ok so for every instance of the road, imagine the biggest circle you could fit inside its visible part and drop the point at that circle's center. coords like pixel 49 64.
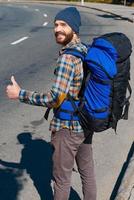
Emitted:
pixel 28 51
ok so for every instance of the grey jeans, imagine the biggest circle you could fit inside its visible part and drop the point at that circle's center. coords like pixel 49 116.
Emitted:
pixel 68 147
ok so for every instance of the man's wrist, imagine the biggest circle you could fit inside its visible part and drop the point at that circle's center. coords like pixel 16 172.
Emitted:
pixel 22 94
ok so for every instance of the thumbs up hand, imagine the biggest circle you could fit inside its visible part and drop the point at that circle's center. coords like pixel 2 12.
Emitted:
pixel 13 90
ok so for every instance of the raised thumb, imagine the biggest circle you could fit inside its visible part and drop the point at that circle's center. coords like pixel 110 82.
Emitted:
pixel 13 80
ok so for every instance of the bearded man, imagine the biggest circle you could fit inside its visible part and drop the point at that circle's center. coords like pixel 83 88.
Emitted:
pixel 67 137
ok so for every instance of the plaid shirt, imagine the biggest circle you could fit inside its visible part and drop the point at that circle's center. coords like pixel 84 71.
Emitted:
pixel 68 79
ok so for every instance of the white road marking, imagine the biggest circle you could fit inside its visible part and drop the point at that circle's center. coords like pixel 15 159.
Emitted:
pixel 37 10
pixel 20 40
pixel 45 15
pixel 45 24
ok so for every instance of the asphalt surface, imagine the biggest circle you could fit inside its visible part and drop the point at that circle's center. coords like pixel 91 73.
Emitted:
pixel 31 62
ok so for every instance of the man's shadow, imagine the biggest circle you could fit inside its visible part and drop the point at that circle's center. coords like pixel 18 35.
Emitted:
pixel 36 158
pixel 9 184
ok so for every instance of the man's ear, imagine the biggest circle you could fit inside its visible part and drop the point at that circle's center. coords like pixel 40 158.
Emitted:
pixel 75 36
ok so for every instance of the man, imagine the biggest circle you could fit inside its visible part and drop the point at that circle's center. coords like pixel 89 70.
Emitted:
pixel 67 136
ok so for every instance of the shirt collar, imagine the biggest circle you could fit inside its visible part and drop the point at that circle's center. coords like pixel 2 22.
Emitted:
pixel 69 45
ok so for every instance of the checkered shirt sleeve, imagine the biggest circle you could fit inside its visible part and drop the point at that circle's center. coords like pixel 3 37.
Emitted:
pixel 64 74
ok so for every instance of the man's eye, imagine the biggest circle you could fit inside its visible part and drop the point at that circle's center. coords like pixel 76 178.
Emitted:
pixel 64 25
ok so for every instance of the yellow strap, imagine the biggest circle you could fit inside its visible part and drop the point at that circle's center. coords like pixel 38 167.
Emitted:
pixel 60 99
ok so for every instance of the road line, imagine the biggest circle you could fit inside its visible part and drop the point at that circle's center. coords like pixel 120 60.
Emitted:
pixel 45 15
pixel 45 24
pixel 18 41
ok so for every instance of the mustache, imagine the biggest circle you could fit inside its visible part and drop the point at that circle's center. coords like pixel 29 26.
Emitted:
pixel 61 33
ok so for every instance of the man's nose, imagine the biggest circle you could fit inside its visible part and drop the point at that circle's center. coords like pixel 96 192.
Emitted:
pixel 58 28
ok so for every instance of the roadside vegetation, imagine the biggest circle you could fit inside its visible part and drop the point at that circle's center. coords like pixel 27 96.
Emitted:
pixel 121 2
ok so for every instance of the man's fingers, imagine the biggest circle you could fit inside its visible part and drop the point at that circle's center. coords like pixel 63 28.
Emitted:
pixel 8 87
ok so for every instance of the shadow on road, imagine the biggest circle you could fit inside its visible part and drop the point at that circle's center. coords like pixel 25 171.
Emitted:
pixel 122 173
pixel 36 158
pixel 9 184
pixel 114 16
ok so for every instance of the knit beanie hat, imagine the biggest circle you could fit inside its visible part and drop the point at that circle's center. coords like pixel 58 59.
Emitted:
pixel 71 16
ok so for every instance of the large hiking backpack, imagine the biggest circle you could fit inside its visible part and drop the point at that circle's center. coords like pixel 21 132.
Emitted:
pixel 105 94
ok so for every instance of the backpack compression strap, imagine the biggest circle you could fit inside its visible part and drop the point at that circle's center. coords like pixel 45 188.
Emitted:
pixel 127 103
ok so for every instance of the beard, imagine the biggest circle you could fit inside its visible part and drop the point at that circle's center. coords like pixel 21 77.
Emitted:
pixel 63 38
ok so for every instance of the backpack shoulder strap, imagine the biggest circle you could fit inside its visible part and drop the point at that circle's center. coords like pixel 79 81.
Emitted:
pixel 78 54
pixel 75 52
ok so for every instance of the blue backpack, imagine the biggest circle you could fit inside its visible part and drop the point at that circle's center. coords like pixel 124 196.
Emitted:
pixel 103 97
